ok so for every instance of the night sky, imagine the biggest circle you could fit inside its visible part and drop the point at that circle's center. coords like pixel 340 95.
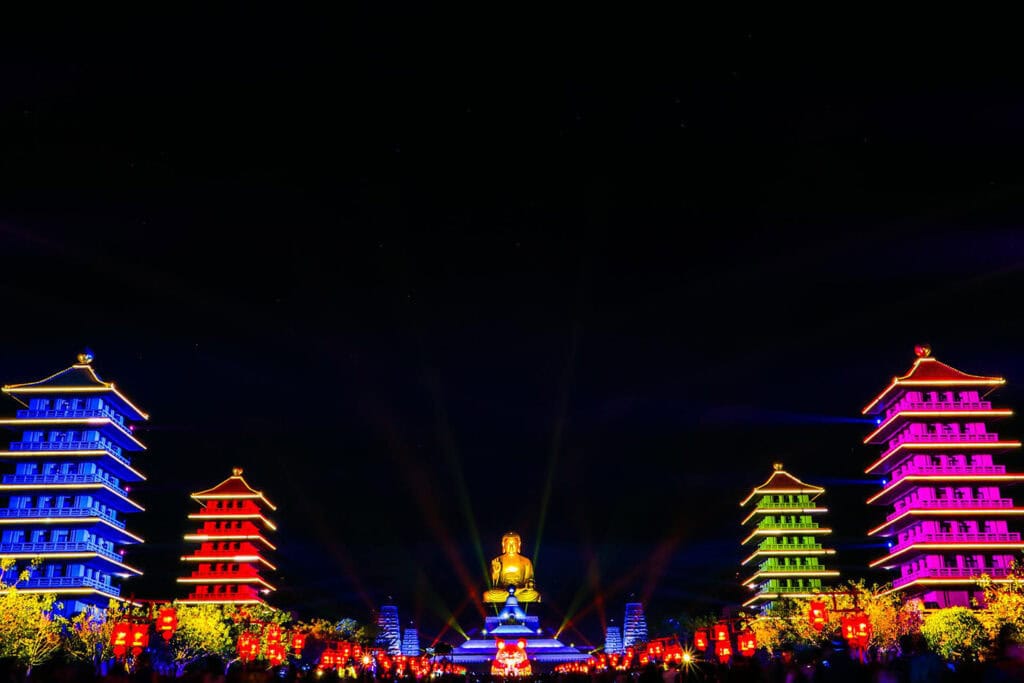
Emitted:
pixel 430 276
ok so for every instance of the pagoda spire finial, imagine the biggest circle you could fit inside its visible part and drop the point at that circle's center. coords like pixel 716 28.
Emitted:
pixel 236 472
pixel 922 350
pixel 777 466
pixel 84 358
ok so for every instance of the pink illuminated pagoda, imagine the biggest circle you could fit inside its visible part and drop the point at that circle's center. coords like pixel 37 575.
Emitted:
pixel 230 559
pixel 950 520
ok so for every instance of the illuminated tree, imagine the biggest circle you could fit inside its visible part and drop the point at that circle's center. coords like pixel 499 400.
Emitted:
pixel 1004 613
pixel 88 633
pixel 955 633
pixel 30 633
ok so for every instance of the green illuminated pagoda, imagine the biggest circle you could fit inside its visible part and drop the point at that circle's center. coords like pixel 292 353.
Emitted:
pixel 786 540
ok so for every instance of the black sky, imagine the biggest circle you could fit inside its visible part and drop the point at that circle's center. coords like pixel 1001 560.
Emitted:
pixel 372 254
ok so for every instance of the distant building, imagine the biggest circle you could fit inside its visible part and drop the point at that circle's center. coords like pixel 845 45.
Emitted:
pixel 230 560
pixel 949 519
pixel 634 626
pixel 786 540
pixel 68 493
pixel 390 636
pixel 411 642
pixel 613 640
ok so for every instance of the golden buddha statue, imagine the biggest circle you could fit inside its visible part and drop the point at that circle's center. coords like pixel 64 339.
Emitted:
pixel 511 570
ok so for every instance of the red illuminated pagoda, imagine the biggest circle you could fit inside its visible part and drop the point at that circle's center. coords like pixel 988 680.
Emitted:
pixel 231 554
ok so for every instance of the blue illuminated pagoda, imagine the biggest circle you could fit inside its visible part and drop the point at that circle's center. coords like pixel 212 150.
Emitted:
pixel 66 499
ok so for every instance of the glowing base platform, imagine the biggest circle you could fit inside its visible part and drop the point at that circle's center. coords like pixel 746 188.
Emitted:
pixel 511 625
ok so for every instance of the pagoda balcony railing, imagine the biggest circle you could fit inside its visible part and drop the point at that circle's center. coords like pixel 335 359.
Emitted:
pixel 768 547
pixel 69 582
pixel 950 504
pixel 770 567
pixel 951 573
pixel 76 547
pixel 767 587
pixel 19 513
pixel 938 405
pixel 951 437
pixel 786 506
pixel 788 525
pixel 70 446
pixel 64 479
pixel 69 414
pixel 938 470
pixel 1012 537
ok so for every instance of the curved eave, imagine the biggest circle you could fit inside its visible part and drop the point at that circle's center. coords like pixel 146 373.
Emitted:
pixel 232 517
pixel 890 491
pixel 241 559
pixel 110 530
pixel 943 512
pixel 813 491
pixel 782 511
pixel 881 434
pixel 770 596
pixel 993 446
pixel 890 561
pixel 209 581
pixel 71 591
pixel 207 538
pixel 784 532
pixel 956 378
pixel 128 569
pixel 115 464
pixel 112 495
pixel 782 574
pixel 787 553
pixel 942 582
pixel 245 601
pixel 100 387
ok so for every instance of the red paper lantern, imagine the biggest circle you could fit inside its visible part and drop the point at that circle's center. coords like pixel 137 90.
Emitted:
pixel 273 634
pixel 119 637
pixel 248 647
pixel 298 642
pixel 861 630
pixel 748 643
pixel 723 650
pixel 275 653
pixel 166 622
pixel 700 640
pixel 849 625
pixel 817 615
pixel 139 638
pixel 720 633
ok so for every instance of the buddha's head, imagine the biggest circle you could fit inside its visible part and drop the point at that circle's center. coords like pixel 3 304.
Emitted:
pixel 511 543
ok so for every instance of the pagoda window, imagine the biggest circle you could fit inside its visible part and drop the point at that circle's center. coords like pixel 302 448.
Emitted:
pixel 49 468
pixel 60 536
pixel 32 437
pixel 39 404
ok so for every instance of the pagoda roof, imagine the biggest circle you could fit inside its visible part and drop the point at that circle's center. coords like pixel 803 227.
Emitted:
pixel 79 378
pixel 781 482
pixel 926 371
pixel 234 487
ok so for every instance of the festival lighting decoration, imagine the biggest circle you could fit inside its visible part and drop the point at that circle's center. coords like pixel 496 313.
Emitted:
pixel 747 643
pixel 817 615
pixel 228 570
pixel 298 642
pixel 120 634
pixel 786 531
pixel 275 653
pixel 720 632
pixel 139 638
pixel 74 434
pixel 949 521
pixel 723 651
pixel 700 640
pixel 166 622
pixel 248 647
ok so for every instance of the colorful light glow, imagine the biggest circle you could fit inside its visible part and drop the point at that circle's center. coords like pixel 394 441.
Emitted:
pixel 229 537
pixel 60 453
pixel 966 478
pixel 959 512
pixel 232 516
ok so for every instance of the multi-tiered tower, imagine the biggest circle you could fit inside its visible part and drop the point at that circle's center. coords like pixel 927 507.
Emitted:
pixel 787 540
pixel 67 497
pixel 389 630
pixel 634 626
pixel 948 523
pixel 411 642
pixel 229 561
pixel 613 640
